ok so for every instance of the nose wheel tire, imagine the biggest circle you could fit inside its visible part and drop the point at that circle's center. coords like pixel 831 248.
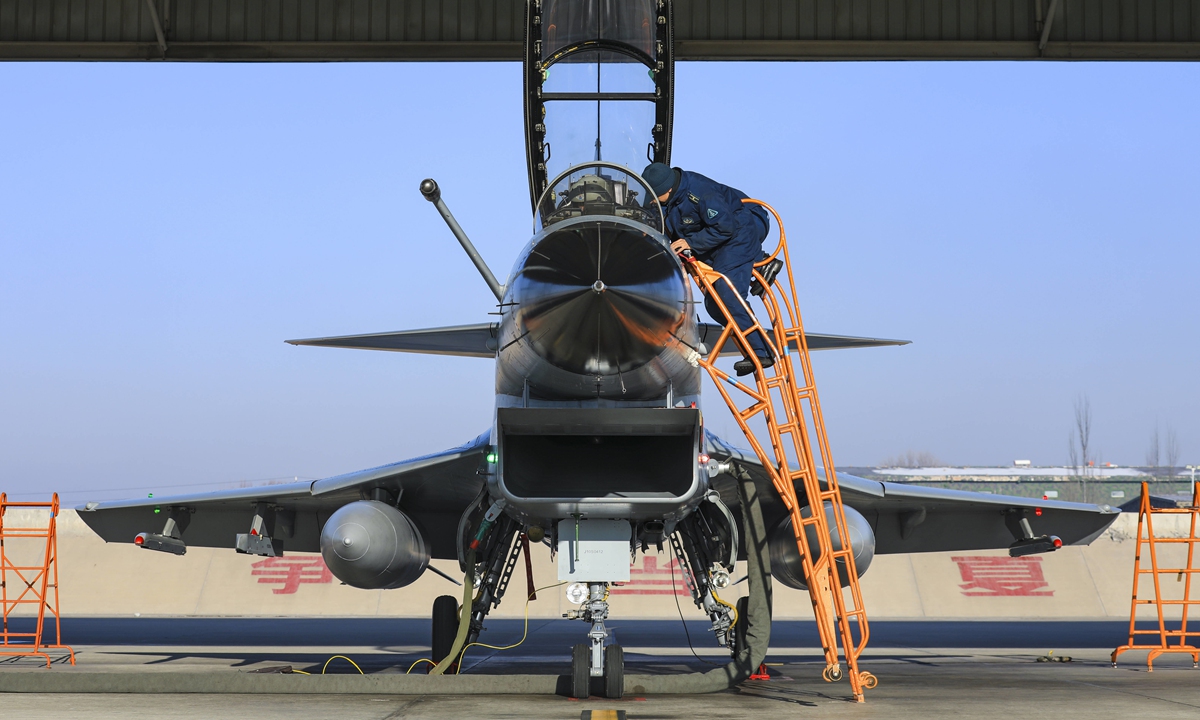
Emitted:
pixel 614 672
pixel 581 678
pixel 445 626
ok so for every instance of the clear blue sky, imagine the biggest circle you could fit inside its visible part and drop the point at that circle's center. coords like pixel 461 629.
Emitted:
pixel 1032 228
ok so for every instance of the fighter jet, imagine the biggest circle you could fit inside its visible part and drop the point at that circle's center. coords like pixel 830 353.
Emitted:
pixel 597 449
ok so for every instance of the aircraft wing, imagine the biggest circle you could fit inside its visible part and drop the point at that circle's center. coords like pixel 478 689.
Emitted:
pixel 461 340
pixel 433 490
pixel 481 340
pixel 709 332
pixel 909 518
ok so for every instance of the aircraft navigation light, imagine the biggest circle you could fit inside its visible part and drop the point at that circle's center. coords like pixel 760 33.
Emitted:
pixel 491 458
pixel 577 593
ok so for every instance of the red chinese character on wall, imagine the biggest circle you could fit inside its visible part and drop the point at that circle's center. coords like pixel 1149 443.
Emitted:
pixel 290 572
pixel 1002 576
pixel 650 579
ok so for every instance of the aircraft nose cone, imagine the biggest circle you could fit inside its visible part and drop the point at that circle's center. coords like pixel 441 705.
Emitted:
pixel 599 298
pixel 351 541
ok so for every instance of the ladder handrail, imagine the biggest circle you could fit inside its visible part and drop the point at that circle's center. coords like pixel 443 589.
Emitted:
pixel 783 392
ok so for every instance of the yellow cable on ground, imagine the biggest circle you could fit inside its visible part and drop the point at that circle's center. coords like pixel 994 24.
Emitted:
pixel 410 667
pixel 301 672
pixel 335 657
pixel 524 634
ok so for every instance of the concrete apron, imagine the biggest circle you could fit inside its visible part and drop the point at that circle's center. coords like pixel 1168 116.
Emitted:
pixel 61 680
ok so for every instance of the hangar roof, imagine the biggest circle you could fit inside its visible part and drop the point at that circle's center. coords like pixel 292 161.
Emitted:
pixel 324 30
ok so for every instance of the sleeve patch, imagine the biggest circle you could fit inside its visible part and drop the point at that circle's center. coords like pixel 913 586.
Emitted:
pixel 711 213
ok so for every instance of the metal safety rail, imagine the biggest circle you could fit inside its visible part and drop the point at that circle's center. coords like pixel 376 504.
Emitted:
pixel 785 397
pixel 30 584
pixel 1182 575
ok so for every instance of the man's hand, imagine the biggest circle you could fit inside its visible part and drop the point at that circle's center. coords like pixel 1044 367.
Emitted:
pixel 680 245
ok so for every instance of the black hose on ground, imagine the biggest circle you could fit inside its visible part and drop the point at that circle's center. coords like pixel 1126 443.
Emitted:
pixel 758 617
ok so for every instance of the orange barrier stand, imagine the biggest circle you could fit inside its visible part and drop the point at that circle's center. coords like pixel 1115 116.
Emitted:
pixel 1181 575
pixel 786 399
pixel 30 584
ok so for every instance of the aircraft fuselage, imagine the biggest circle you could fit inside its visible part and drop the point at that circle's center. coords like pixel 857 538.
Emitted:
pixel 597 385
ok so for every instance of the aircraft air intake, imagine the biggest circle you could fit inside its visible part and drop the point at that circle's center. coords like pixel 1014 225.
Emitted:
pixel 635 462
pixel 371 545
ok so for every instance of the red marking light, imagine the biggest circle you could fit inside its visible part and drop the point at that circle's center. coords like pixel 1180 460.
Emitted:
pixel 1057 542
pixel 139 540
pixel 1038 511
pixel 253 531
pixel 703 458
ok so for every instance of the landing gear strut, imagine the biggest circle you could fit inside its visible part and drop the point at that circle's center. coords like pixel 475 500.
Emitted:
pixel 594 660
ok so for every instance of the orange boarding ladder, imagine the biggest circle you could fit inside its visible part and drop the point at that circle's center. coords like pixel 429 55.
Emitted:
pixel 1182 575
pixel 30 584
pixel 786 398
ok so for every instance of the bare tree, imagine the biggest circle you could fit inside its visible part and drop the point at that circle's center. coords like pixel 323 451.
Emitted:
pixel 1153 454
pixel 1172 450
pixel 1083 439
pixel 911 459
pixel 1073 453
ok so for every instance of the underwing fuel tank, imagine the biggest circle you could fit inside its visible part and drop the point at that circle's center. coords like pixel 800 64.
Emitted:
pixel 786 566
pixel 371 545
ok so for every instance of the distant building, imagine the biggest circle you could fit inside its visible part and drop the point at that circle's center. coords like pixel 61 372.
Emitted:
pixel 1021 463
pixel 1018 472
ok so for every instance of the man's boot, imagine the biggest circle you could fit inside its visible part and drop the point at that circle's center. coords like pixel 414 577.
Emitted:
pixel 768 272
pixel 746 366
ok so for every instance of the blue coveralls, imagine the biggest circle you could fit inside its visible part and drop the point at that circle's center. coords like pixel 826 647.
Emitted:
pixel 723 233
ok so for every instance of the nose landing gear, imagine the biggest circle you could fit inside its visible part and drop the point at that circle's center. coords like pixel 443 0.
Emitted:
pixel 594 660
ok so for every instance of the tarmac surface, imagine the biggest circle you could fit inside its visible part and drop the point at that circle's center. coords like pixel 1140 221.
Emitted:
pixel 927 669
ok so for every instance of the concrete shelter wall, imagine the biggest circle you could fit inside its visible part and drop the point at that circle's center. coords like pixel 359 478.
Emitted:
pixel 99 579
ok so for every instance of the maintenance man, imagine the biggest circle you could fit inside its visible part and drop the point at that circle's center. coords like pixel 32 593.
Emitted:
pixel 711 220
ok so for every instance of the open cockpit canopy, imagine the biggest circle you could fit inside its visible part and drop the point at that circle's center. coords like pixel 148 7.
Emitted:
pixel 598 79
